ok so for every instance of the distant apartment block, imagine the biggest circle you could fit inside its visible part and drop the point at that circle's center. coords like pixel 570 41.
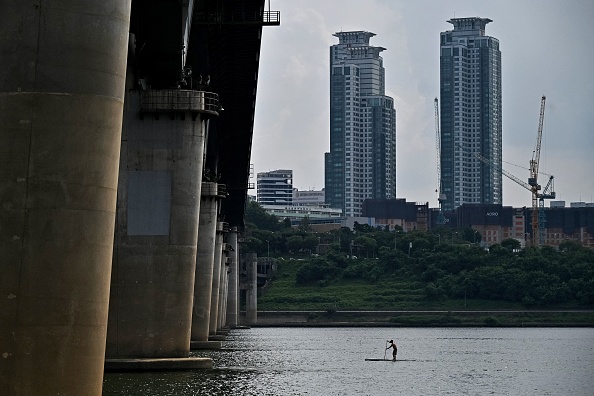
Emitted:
pixel 575 223
pixel 493 222
pixel 496 223
pixel 361 163
pixel 470 110
pixel 275 187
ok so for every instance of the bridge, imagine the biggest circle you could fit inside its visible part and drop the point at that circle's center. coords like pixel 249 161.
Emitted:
pixel 125 142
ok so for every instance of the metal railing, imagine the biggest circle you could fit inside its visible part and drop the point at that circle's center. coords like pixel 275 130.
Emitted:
pixel 266 18
pixel 222 226
pixel 174 100
pixel 271 18
pixel 222 190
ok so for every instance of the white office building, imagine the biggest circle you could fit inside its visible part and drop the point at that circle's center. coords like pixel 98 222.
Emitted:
pixel 275 187
pixel 309 197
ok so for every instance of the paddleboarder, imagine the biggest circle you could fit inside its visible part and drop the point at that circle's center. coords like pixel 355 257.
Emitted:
pixel 395 351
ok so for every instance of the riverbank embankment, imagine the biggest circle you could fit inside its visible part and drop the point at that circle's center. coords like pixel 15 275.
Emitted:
pixel 428 318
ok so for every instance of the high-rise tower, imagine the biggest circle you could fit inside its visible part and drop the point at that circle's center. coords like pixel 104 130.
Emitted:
pixel 470 90
pixel 361 163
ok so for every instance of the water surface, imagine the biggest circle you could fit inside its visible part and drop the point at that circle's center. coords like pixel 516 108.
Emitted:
pixel 435 361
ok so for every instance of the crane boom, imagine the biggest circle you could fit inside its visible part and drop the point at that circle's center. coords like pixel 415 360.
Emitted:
pixel 506 173
pixel 534 162
pixel 533 179
pixel 549 191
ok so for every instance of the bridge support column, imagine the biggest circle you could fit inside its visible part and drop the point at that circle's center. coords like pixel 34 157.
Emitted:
pixel 205 268
pixel 61 97
pixel 233 293
pixel 216 282
pixel 156 228
pixel 251 295
pixel 224 291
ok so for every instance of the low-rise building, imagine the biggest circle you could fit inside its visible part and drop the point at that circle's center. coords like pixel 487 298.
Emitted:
pixel 275 187
pixel 309 197
pixel 314 213
pixel 493 222
pixel 398 212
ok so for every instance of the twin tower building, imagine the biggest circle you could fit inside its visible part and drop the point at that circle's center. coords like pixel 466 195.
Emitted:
pixel 361 163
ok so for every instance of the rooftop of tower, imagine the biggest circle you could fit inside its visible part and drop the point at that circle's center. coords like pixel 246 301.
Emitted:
pixel 354 37
pixel 470 23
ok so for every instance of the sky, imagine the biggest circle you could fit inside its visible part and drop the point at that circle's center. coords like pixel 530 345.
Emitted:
pixel 547 48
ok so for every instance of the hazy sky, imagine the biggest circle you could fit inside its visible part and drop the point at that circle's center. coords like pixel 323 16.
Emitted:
pixel 547 47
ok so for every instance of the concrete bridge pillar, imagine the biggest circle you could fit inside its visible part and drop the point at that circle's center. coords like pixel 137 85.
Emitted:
pixel 251 295
pixel 152 284
pixel 224 291
pixel 205 262
pixel 62 79
pixel 233 292
pixel 216 281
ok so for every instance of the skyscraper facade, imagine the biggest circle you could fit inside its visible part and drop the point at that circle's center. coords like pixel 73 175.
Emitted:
pixel 470 106
pixel 361 163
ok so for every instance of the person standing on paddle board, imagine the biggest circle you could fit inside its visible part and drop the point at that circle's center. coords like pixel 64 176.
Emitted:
pixel 395 351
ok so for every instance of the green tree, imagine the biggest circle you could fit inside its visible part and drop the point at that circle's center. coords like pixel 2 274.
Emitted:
pixel 511 244
pixel 294 243
pixel 287 223
pixel 255 214
pixel 367 244
pixel 570 247
pixel 310 243
pixel 319 269
pixel 304 224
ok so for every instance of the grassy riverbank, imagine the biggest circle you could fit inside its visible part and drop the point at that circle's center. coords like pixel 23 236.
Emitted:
pixel 396 301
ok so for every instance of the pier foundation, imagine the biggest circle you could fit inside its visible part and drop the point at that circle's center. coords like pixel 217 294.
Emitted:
pixel 62 79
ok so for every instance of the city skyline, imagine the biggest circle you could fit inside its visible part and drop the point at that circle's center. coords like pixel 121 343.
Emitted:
pixel 545 51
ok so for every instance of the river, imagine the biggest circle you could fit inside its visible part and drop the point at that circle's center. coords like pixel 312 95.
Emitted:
pixel 432 361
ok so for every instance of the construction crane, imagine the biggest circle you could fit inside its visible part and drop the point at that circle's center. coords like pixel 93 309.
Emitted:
pixel 533 179
pixel 538 214
pixel 547 193
pixel 441 196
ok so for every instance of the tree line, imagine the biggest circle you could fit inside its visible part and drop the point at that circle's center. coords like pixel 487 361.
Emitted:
pixel 450 263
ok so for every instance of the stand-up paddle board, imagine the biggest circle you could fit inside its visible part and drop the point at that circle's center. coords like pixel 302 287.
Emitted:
pixel 389 360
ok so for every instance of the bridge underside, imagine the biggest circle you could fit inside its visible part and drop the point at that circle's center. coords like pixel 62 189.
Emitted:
pixel 187 93
pixel 222 51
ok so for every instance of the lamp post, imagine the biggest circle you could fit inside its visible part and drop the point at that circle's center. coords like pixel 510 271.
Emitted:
pixel 268 243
